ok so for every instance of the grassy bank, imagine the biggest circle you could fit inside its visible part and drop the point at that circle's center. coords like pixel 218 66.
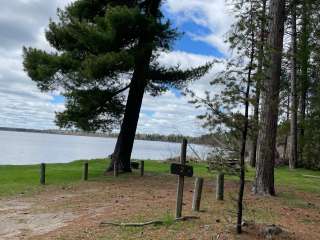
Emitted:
pixel 25 179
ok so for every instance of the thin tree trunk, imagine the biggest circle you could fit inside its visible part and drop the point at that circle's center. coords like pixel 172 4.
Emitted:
pixel 284 154
pixel 264 181
pixel 254 142
pixel 244 137
pixel 124 145
pixel 305 54
pixel 293 157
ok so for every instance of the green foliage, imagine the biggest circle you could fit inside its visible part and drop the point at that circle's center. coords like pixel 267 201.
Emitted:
pixel 234 86
pixel 98 45
pixel 312 133
pixel 309 90
pixel 85 114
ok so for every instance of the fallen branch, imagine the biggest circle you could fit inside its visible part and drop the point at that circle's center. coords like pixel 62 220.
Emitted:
pixel 311 176
pixel 155 222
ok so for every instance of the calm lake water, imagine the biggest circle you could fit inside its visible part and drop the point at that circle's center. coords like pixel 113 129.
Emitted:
pixel 19 148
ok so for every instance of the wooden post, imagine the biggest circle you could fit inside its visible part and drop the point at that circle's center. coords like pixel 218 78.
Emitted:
pixel 141 168
pixel 197 194
pixel 181 180
pixel 220 186
pixel 85 171
pixel 43 173
pixel 115 169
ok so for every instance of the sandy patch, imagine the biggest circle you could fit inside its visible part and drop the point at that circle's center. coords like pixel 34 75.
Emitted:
pixel 18 220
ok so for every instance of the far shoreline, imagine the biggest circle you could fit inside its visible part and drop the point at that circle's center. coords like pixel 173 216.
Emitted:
pixel 145 137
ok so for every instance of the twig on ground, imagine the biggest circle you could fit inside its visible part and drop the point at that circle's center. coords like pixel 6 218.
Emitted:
pixel 154 222
pixel 310 176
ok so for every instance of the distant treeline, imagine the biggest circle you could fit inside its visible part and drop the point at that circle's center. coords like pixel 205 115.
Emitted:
pixel 207 139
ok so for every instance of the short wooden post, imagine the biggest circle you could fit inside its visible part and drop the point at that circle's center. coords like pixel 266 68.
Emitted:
pixel 197 194
pixel 141 168
pixel 43 173
pixel 220 186
pixel 85 171
pixel 115 169
pixel 181 180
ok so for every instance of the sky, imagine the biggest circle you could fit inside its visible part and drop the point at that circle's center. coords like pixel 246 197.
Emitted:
pixel 23 22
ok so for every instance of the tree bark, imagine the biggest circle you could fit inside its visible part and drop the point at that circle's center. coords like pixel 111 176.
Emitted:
pixel 264 181
pixel 124 144
pixel 305 54
pixel 286 138
pixel 254 142
pixel 293 157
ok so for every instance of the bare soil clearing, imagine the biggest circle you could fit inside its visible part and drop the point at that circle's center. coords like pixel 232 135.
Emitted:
pixel 75 211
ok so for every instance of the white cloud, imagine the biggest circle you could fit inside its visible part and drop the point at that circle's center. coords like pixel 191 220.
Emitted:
pixel 214 15
pixel 22 23
pixel 174 114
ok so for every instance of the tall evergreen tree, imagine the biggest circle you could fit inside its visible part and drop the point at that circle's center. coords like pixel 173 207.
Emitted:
pixel 228 110
pixel 103 48
pixel 264 181
pixel 245 127
pixel 304 59
pixel 258 78
pixel 309 141
pixel 293 156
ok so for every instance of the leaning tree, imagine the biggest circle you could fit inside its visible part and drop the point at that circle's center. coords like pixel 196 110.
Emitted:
pixel 105 50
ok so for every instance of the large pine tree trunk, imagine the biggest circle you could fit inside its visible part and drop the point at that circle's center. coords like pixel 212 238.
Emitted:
pixel 293 156
pixel 254 142
pixel 124 145
pixel 123 149
pixel 264 182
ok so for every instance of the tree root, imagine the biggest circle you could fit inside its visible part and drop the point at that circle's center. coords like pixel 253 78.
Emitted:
pixel 154 222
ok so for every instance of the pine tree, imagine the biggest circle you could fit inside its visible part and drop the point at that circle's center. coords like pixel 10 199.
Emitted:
pixel 102 49
pixel 245 127
pixel 258 78
pixel 228 111
pixel 293 156
pixel 264 181
pixel 311 137
pixel 304 59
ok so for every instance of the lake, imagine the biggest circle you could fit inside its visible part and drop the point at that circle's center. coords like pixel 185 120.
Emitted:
pixel 20 148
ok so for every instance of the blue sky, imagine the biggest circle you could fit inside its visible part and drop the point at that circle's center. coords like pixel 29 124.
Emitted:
pixel 187 43
pixel 22 23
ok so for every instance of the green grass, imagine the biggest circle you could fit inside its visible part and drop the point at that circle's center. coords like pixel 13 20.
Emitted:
pixel 296 178
pixel 25 179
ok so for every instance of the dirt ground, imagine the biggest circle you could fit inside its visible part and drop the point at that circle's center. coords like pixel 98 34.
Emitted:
pixel 76 211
